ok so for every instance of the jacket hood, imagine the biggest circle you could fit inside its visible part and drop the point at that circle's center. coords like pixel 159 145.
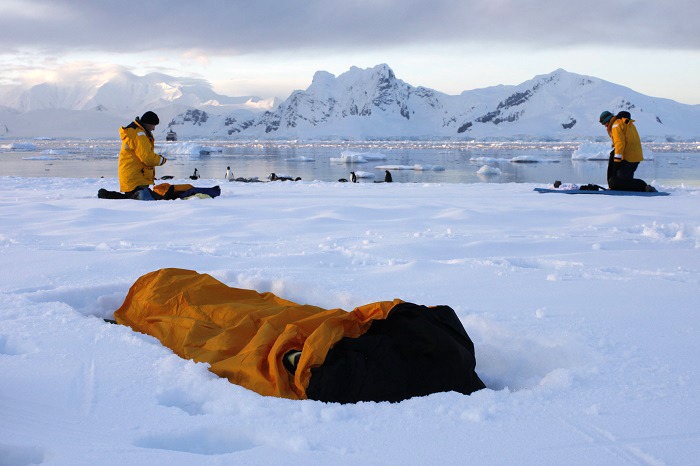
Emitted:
pixel 133 126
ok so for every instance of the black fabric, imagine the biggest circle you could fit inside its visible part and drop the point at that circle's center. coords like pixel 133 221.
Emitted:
pixel 170 195
pixel 621 176
pixel 622 184
pixel 611 166
pixel 105 194
pixel 211 192
pixel 625 169
pixel 415 351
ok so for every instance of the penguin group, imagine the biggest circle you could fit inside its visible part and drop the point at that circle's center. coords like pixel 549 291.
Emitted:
pixel 353 178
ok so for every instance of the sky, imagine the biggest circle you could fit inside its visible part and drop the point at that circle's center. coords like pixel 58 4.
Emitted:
pixel 270 48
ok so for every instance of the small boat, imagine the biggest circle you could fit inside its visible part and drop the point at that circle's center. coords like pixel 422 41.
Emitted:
pixel 171 136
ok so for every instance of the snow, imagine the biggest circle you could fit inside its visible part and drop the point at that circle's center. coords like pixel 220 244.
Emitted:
pixel 583 312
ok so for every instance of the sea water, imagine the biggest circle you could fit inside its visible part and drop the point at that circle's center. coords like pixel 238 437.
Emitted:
pixel 408 161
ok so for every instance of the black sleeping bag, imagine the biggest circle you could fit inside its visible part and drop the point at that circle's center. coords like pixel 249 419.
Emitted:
pixel 415 351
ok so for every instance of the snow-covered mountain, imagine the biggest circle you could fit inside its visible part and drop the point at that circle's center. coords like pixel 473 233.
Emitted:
pixel 367 103
pixel 125 93
pixel 50 109
pixel 373 103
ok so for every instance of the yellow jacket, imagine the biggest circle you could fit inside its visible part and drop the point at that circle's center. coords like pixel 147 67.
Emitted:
pixel 137 158
pixel 625 140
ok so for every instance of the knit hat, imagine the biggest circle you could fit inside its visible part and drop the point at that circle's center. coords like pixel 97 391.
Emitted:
pixel 605 117
pixel 150 118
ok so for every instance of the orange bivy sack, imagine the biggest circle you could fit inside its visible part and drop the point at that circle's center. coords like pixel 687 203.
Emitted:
pixel 245 336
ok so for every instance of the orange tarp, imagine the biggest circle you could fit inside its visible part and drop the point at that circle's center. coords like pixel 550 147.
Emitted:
pixel 241 333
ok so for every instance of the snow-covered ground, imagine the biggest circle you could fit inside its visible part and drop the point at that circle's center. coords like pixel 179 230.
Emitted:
pixel 583 310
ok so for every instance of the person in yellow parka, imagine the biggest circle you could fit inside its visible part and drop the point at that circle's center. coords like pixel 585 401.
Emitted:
pixel 137 159
pixel 626 154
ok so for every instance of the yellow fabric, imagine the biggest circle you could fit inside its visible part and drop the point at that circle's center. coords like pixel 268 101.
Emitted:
pixel 241 333
pixel 162 188
pixel 137 158
pixel 625 140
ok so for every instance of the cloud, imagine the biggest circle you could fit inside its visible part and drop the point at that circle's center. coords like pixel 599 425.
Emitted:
pixel 242 26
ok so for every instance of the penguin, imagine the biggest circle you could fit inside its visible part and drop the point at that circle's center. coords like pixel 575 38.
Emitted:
pixel 195 175
pixel 387 177
pixel 353 177
pixel 229 174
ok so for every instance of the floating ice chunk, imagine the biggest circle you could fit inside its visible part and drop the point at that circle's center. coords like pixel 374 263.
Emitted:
pixel 54 152
pixel 532 159
pixel 42 157
pixel 19 146
pixel 189 149
pixel 348 156
pixel 485 160
pixel 487 170
pixel 361 174
pixel 592 151
pixel 416 167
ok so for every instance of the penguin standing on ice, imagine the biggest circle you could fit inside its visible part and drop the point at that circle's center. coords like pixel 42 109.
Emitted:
pixel 387 177
pixel 353 177
pixel 195 175
pixel 229 174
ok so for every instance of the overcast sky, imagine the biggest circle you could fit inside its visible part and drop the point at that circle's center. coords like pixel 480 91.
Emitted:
pixel 269 48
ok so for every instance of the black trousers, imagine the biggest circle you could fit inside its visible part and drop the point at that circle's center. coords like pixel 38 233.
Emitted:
pixel 621 176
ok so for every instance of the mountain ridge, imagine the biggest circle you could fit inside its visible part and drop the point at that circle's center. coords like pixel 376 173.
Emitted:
pixel 370 103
